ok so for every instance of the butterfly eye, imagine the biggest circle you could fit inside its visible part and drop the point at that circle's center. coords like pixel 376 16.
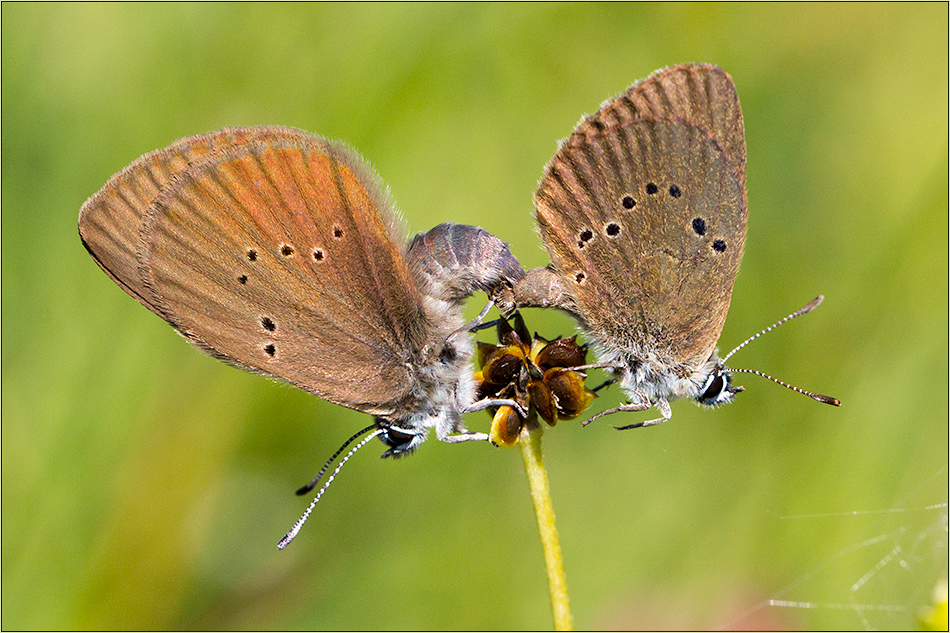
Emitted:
pixel 401 441
pixel 714 389
pixel 717 389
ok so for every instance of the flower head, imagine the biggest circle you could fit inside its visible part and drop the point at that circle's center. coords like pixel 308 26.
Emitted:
pixel 535 373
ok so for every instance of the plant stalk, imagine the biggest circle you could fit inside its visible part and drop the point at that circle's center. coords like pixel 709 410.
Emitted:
pixel 530 442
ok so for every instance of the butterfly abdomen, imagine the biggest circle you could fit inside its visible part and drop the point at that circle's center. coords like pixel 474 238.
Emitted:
pixel 452 261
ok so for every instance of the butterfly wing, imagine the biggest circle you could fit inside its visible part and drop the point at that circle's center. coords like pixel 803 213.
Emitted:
pixel 109 220
pixel 643 212
pixel 274 250
pixel 701 95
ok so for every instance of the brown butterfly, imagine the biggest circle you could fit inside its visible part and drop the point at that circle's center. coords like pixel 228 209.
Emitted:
pixel 282 253
pixel 643 212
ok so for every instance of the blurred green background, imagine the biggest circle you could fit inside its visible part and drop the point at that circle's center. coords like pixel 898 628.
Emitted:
pixel 146 485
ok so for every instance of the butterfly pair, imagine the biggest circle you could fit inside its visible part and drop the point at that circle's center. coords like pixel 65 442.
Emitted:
pixel 281 253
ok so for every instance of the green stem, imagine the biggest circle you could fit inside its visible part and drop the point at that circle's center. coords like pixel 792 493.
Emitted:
pixel 530 443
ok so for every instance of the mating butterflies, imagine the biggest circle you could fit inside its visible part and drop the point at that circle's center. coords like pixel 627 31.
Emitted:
pixel 281 253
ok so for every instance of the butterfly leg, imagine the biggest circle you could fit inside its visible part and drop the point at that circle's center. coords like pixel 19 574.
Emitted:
pixel 485 325
pixel 641 403
pixel 466 436
pixel 481 405
pixel 472 325
pixel 630 406
pixel 665 410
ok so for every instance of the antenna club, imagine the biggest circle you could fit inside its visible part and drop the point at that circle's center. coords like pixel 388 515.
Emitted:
pixel 816 396
pixel 826 399
pixel 814 304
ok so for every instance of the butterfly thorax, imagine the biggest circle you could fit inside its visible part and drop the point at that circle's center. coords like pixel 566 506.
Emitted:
pixel 447 264
pixel 647 374
pixel 440 378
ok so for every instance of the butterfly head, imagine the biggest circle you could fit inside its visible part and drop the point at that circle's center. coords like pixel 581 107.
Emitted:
pixel 654 380
pixel 717 388
pixel 401 440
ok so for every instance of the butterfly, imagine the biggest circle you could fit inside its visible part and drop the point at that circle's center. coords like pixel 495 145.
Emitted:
pixel 643 212
pixel 282 253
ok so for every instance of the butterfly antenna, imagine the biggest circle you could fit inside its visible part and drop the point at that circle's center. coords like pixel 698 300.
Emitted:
pixel 814 303
pixel 313 482
pixel 284 542
pixel 816 396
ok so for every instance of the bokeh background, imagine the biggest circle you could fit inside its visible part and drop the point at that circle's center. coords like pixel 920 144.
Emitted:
pixel 146 485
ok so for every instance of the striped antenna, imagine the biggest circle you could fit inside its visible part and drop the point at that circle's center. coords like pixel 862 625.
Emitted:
pixel 816 396
pixel 284 542
pixel 814 303
pixel 313 482
pixel 808 308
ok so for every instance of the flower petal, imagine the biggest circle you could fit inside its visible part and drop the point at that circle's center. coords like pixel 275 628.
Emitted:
pixel 563 352
pixel 505 427
pixel 573 397
pixel 543 400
